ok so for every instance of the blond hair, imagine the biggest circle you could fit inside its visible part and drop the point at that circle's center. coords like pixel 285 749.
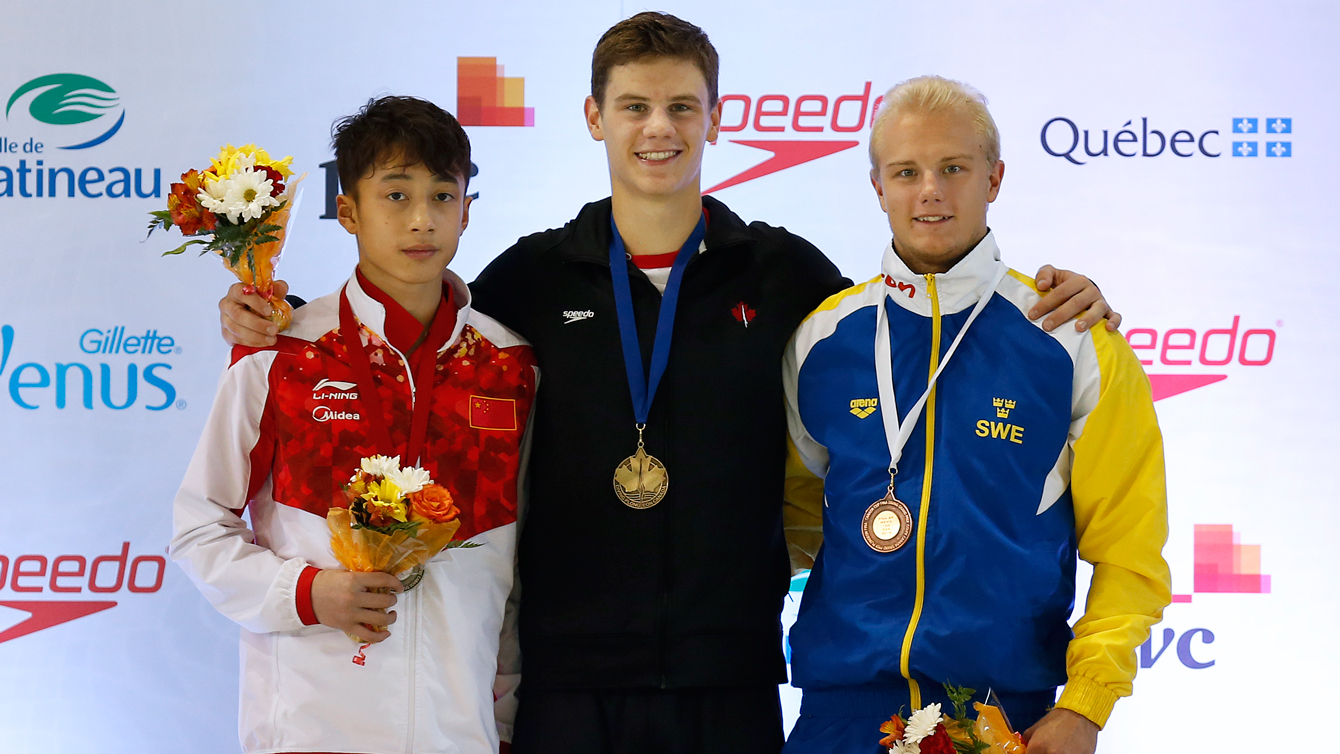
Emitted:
pixel 933 94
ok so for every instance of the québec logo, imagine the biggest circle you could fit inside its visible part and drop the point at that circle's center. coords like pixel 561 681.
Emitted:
pixel 70 574
pixel 1182 353
pixel 67 111
pixel 1064 138
pixel 32 385
pixel 840 116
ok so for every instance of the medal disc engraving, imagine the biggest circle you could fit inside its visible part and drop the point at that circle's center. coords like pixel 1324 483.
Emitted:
pixel 887 524
pixel 641 480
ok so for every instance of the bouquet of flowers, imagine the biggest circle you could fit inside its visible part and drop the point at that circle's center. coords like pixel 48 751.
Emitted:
pixel 238 208
pixel 928 731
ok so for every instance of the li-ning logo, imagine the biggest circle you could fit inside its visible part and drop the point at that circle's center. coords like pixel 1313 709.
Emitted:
pixel 1003 407
pixel 575 316
pixel 863 407
pixel 339 391
pixel 327 414
pixel 70 99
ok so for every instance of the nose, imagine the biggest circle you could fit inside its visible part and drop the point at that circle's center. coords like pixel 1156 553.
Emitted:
pixel 930 189
pixel 421 216
pixel 658 123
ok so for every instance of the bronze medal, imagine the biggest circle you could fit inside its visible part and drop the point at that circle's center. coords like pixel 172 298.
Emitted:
pixel 887 524
pixel 641 481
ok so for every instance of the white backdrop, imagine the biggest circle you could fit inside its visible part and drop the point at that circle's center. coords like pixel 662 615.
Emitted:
pixel 1217 261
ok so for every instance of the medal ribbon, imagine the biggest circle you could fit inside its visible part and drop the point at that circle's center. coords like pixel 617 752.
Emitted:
pixel 372 400
pixel 895 434
pixel 642 389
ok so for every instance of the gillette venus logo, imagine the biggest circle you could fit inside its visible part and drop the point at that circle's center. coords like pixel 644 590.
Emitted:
pixel 38 575
pixel 1064 138
pixel 32 385
pixel 809 116
pixel 66 111
pixel 1170 357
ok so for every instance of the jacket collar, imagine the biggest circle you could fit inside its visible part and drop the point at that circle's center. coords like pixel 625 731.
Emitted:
pixel 590 231
pixel 957 289
pixel 372 314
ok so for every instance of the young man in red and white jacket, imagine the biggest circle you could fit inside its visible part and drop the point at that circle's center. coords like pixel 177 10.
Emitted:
pixel 291 422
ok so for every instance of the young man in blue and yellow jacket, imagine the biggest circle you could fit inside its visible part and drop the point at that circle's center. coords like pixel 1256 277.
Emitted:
pixel 966 458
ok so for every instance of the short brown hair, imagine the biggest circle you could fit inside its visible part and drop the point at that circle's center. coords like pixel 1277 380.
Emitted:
pixel 406 128
pixel 652 35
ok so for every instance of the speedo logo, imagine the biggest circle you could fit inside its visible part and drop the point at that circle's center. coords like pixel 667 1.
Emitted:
pixel 575 316
pixel 335 391
pixel 863 407
pixel 810 116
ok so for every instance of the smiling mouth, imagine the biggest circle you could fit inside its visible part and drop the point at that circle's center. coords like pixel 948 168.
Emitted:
pixel 420 251
pixel 657 156
pixel 933 218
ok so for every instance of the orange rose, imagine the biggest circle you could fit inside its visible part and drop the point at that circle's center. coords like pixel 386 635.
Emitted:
pixel 433 504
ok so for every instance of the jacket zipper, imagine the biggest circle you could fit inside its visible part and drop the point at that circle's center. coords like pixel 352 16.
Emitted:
pixel 913 687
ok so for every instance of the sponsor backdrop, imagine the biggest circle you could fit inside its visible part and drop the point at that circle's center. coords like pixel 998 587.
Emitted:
pixel 1179 153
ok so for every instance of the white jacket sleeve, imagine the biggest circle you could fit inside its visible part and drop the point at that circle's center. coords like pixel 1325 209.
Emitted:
pixel 243 580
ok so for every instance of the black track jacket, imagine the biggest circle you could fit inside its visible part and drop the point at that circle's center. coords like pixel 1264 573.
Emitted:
pixel 686 593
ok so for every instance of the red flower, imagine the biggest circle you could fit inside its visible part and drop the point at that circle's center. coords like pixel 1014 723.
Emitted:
pixel 276 179
pixel 187 214
pixel 937 742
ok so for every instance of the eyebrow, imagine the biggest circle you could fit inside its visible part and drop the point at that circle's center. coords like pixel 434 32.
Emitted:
pixel 952 158
pixel 640 98
pixel 406 177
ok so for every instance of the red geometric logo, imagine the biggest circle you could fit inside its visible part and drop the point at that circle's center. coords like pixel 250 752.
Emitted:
pixel 485 97
pixel 1223 565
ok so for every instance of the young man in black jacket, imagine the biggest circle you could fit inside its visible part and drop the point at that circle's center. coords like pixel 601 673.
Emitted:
pixel 652 555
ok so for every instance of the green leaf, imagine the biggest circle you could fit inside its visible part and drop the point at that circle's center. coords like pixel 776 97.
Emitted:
pixel 460 544
pixel 182 248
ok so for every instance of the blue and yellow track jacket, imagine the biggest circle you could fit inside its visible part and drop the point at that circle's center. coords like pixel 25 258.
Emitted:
pixel 1033 447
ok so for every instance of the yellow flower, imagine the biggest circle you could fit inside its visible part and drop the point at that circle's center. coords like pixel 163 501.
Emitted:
pixel 231 159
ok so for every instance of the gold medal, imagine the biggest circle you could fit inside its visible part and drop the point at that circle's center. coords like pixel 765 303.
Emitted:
pixel 641 480
pixel 887 524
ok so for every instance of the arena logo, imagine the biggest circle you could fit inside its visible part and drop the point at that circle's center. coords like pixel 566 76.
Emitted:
pixel 1064 138
pixel 1219 347
pixel 32 385
pixel 69 574
pixel 806 114
pixel 74 108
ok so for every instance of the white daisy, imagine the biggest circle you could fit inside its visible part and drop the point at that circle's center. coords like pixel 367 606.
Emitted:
pixel 249 194
pixel 409 479
pixel 381 466
pixel 903 747
pixel 922 723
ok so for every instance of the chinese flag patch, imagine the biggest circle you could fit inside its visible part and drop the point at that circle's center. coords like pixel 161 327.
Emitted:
pixel 492 413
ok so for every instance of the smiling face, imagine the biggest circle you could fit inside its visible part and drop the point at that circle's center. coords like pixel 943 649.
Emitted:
pixel 934 182
pixel 655 122
pixel 408 222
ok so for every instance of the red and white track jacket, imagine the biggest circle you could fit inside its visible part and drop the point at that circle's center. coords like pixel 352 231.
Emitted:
pixel 286 432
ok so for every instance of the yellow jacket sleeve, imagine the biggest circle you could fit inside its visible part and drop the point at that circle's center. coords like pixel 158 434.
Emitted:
pixel 1121 519
pixel 802 511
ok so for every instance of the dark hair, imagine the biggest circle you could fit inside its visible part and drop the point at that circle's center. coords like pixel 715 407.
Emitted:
pixel 408 129
pixel 652 35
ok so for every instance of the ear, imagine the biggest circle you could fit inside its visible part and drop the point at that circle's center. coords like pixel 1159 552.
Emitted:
pixel 346 212
pixel 997 175
pixel 465 213
pixel 879 189
pixel 715 128
pixel 593 119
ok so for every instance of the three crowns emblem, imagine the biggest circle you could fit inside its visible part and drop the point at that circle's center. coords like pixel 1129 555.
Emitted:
pixel 1003 407
pixel 863 407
